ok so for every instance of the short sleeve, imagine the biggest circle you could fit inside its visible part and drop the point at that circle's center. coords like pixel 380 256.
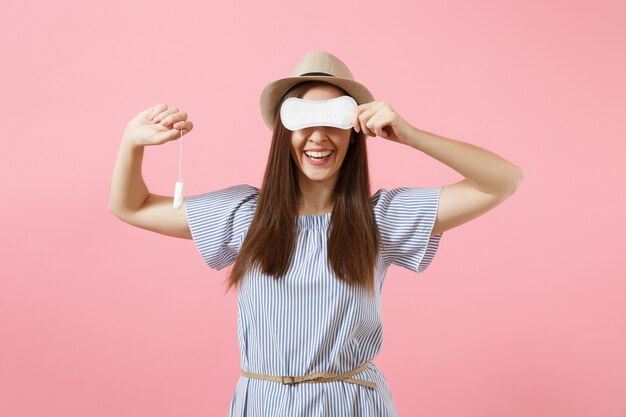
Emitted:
pixel 405 217
pixel 218 221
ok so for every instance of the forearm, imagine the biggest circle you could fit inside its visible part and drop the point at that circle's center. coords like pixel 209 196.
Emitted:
pixel 128 190
pixel 483 169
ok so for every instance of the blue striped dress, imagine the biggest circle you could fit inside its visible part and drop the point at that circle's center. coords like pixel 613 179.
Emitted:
pixel 310 321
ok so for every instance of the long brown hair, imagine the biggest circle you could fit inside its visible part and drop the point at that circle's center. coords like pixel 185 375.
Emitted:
pixel 353 236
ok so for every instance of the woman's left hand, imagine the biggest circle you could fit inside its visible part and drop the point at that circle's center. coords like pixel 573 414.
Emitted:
pixel 378 118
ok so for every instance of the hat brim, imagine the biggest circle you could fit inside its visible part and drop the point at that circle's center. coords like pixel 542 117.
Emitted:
pixel 274 91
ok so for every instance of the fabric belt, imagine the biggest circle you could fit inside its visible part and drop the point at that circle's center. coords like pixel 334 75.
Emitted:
pixel 317 377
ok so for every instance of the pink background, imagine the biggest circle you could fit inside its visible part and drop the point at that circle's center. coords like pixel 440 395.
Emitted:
pixel 522 311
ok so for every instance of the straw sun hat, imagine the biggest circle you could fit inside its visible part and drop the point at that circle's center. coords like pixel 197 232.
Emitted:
pixel 315 65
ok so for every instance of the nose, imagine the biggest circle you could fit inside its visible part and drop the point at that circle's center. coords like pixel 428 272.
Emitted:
pixel 318 134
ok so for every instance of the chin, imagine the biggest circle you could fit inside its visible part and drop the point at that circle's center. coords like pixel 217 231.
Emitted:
pixel 319 177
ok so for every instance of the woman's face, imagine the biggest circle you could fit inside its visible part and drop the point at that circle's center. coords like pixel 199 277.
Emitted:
pixel 322 139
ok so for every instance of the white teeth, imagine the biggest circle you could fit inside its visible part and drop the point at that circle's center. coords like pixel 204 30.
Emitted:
pixel 318 154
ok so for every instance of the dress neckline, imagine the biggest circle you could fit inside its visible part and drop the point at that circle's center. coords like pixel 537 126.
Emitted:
pixel 314 221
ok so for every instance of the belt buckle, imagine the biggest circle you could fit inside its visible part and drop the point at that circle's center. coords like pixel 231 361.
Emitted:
pixel 287 380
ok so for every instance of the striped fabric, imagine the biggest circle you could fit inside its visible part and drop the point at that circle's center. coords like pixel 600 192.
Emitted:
pixel 309 321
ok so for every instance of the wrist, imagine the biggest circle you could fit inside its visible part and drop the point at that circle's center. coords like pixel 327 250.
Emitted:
pixel 414 138
pixel 130 143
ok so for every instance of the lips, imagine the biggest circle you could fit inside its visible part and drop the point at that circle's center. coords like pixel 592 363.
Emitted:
pixel 317 150
pixel 318 154
pixel 318 162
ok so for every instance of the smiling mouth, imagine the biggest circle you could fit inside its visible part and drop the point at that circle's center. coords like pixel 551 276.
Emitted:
pixel 318 156
pixel 318 161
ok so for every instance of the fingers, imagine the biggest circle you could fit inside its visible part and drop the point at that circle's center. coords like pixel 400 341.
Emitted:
pixel 161 111
pixel 365 123
pixel 162 115
pixel 170 118
pixel 362 115
pixel 376 122
pixel 145 113
pixel 185 126
pixel 167 135
pixel 156 109
pixel 378 130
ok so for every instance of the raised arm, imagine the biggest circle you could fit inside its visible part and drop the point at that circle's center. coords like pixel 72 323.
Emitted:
pixel 130 200
pixel 489 178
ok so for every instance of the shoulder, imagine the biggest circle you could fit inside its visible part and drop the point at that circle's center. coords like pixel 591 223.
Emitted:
pixel 393 205
pixel 400 196
pixel 238 201
pixel 243 191
pixel 228 194
pixel 239 189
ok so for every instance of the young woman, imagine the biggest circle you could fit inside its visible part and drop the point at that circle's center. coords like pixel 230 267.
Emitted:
pixel 312 246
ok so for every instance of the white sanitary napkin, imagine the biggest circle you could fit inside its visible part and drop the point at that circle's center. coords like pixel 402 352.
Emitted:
pixel 297 113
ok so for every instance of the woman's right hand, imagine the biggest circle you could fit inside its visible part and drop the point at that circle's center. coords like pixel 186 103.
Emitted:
pixel 157 125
